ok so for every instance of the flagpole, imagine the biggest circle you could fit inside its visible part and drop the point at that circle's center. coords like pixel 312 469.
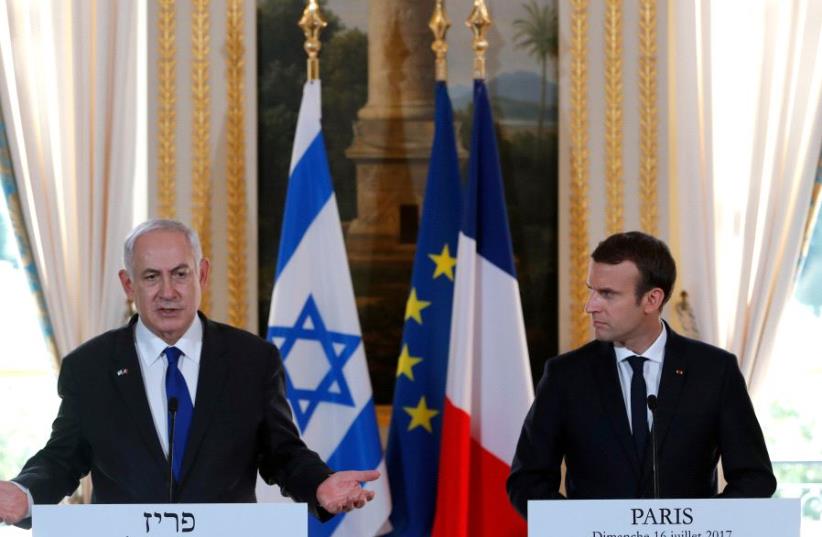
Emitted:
pixel 312 23
pixel 439 24
pixel 479 21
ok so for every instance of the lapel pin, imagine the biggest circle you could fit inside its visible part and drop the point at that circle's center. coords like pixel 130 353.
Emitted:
pixel 121 372
pixel 680 372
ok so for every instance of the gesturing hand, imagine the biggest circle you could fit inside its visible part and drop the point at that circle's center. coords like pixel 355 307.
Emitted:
pixel 341 492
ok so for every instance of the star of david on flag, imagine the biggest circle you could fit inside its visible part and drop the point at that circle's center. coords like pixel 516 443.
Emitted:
pixel 337 349
pixel 314 322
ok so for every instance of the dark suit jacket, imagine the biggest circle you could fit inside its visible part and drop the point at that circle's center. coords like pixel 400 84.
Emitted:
pixel 241 424
pixel 703 412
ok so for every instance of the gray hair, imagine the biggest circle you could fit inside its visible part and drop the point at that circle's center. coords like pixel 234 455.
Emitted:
pixel 160 224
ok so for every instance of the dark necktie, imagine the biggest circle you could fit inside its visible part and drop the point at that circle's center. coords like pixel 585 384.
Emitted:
pixel 176 388
pixel 639 406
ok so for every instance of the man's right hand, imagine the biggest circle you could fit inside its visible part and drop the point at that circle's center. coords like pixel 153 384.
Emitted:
pixel 14 504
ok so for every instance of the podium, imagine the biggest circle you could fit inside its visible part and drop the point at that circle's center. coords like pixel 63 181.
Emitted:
pixel 167 520
pixel 664 518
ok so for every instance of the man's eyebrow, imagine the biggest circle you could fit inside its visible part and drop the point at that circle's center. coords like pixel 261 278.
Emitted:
pixel 602 289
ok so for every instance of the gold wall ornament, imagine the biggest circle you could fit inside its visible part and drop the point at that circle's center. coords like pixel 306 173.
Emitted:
pixel 201 133
pixel 312 23
pixel 479 21
pixel 166 109
pixel 614 180
pixel 648 143
pixel 235 166
pixel 579 157
pixel 439 25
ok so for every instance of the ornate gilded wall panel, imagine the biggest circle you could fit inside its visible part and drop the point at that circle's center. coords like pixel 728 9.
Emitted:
pixel 578 214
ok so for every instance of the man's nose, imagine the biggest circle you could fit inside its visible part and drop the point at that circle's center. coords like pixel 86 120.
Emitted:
pixel 166 289
pixel 592 304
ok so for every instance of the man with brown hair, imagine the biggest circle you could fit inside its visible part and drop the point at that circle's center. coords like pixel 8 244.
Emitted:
pixel 591 406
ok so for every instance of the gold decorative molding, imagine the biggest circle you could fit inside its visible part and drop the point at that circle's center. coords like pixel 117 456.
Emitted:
pixel 578 213
pixel 648 143
pixel 439 25
pixel 614 181
pixel 312 23
pixel 166 112
pixel 201 132
pixel 235 165
pixel 479 21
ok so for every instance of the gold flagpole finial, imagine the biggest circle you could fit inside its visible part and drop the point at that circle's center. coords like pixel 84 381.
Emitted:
pixel 312 23
pixel 479 21
pixel 439 25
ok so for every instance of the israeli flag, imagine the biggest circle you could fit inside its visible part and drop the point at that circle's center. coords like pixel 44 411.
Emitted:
pixel 313 321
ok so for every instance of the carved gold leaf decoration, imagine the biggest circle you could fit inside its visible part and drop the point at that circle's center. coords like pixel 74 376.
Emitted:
pixel 648 143
pixel 166 112
pixel 201 133
pixel 578 214
pixel 235 166
pixel 614 181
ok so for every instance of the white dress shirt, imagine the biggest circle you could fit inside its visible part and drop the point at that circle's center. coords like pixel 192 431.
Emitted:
pixel 651 370
pixel 154 364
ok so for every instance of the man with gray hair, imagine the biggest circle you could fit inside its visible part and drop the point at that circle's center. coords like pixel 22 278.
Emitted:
pixel 175 407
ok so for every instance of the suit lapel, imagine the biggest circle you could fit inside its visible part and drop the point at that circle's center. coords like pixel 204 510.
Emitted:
pixel 128 380
pixel 674 373
pixel 607 378
pixel 210 383
pixel 671 381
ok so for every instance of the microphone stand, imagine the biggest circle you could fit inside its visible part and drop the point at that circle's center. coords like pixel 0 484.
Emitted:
pixel 652 404
pixel 172 414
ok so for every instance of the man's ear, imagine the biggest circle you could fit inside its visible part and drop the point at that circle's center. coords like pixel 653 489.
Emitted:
pixel 654 299
pixel 205 266
pixel 125 281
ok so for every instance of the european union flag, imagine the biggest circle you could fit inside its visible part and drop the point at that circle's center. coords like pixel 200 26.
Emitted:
pixel 414 435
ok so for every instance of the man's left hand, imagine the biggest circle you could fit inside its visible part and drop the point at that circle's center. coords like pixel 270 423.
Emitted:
pixel 341 492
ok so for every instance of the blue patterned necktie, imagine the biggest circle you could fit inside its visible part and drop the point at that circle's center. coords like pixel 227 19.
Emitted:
pixel 176 388
pixel 639 406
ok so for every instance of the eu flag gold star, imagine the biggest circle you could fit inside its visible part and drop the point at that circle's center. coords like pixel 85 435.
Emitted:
pixel 406 363
pixel 445 263
pixel 420 415
pixel 414 307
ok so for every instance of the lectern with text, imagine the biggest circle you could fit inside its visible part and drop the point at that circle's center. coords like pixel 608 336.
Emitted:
pixel 664 518
pixel 167 520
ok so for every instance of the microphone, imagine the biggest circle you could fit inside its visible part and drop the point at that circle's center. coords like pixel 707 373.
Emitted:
pixel 172 415
pixel 652 404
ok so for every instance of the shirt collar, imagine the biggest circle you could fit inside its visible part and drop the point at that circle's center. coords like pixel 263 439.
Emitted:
pixel 189 343
pixel 655 353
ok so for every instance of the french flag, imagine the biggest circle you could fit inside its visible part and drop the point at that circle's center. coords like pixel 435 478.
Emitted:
pixel 488 389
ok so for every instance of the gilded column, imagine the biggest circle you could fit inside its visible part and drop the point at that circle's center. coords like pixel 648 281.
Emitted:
pixel 614 181
pixel 235 166
pixel 648 162
pixel 166 114
pixel 200 133
pixel 578 213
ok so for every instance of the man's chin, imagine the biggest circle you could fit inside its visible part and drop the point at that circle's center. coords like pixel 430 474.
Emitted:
pixel 602 335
